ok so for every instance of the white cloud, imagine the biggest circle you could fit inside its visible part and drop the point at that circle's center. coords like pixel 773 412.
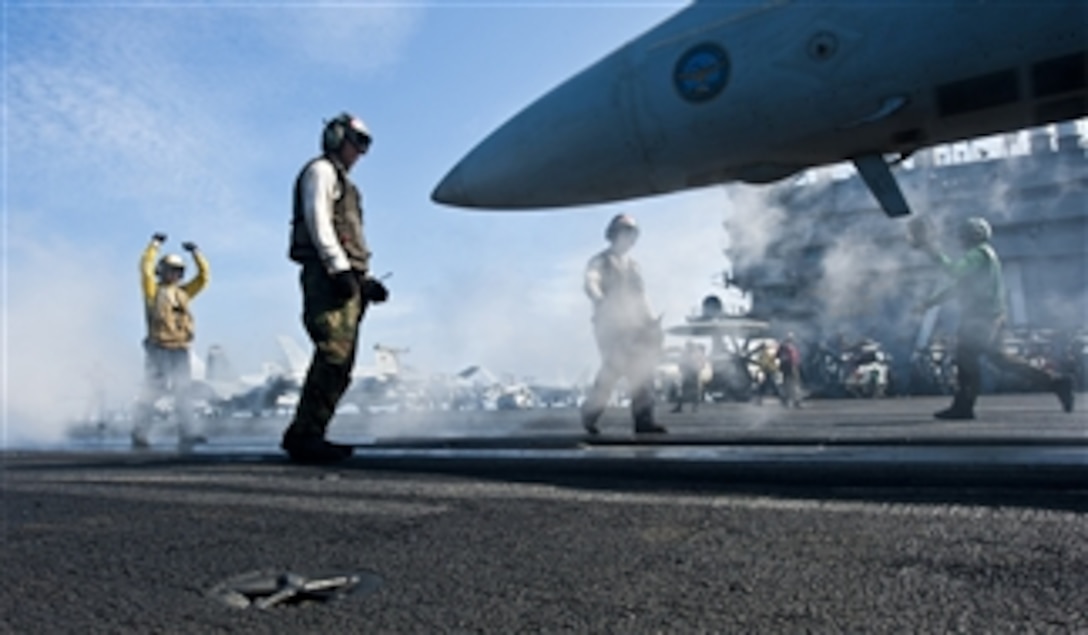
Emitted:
pixel 159 110
pixel 354 39
pixel 114 114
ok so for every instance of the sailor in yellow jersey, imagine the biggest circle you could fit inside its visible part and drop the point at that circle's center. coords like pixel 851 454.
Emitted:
pixel 170 331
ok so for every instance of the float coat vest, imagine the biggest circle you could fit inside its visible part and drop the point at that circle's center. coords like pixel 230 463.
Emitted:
pixel 623 304
pixel 347 222
pixel 169 322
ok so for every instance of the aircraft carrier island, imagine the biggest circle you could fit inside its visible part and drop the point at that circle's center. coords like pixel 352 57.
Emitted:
pixel 828 265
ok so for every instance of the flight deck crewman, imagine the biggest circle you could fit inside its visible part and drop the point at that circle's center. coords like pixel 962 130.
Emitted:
pixel 170 330
pixel 788 356
pixel 977 283
pixel 327 240
pixel 628 337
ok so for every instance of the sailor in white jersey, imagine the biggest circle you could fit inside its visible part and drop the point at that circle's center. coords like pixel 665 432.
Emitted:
pixel 628 336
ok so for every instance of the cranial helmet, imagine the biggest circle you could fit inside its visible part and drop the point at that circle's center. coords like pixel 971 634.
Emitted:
pixel 975 230
pixel 345 127
pixel 619 223
pixel 168 262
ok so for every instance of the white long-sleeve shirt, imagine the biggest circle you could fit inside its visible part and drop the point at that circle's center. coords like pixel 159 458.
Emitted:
pixel 320 191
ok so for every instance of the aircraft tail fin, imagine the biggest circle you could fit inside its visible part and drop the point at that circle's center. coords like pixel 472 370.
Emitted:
pixel 297 360
pixel 386 361
pixel 218 366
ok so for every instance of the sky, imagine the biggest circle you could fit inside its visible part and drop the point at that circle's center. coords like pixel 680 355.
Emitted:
pixel 123 119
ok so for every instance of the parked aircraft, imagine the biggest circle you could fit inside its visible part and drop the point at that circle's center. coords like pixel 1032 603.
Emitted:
pixel 225 392
pixel 386 364
pixel 477 388
pixel 557 394
pixel 277 386
pixel 387 382
pixel 757 91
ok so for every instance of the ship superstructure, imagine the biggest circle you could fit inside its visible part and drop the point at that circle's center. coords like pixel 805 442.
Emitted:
pixel 832 267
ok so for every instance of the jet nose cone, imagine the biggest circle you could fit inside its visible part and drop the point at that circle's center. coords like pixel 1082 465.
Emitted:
pixel 573 146
pixel 502 172
pixel 511 168
pixel 481 178
pixel 450 190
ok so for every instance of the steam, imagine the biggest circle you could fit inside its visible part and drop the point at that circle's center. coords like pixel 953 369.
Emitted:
pixel 531 318
pixel 854 267
pixel 752 222
pixel 70 348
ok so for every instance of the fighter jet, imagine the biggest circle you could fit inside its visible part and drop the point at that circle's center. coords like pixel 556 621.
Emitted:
pixel 757 91
pixel 223 392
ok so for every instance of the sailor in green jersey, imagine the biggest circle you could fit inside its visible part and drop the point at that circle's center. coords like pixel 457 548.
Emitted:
pixel 976 281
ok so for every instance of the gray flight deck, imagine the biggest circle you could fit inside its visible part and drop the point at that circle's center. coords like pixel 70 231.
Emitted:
pixel 845 516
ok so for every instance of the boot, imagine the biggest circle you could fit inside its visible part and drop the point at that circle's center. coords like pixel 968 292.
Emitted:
pixel 589 421
pixel 1063 387
pixel 650 428
pixel 186 442
pixel 644 424
pixel 962 408
pixel 306 448
pixel 139 440
pixel 954 413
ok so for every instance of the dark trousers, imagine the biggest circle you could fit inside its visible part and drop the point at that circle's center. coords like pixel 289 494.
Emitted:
pixel 982 338
pixel 333 326
pixel 690 389
pixel 791 386
pixel 766 385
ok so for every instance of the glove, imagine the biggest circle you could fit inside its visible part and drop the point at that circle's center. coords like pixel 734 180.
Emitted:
pixel 345 284
pixel 374 290
pixel 189 246
pixel 158 237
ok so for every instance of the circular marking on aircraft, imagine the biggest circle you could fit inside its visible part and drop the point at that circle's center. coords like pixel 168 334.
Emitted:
pixel 701 72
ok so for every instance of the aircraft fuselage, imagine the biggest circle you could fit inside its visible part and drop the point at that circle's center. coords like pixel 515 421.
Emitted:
pixel 756 92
